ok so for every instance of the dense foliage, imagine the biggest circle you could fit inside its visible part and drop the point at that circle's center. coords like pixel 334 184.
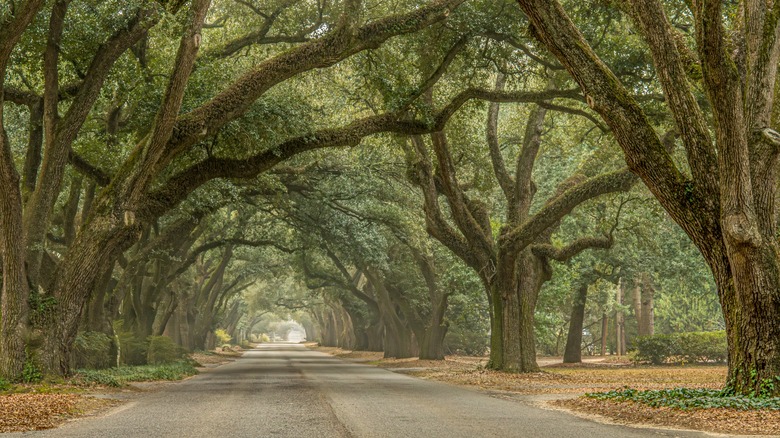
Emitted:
pixel 682 398
pixel 416 177
pixel 142 373
pixel 692 347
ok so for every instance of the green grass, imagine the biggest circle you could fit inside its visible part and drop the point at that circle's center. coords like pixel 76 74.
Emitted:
pixel 143 373
pixel 682 398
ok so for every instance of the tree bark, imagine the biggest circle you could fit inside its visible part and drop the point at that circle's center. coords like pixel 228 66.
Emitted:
pixel 620 334
pixel 648 313
pixel 14 327
pixel 604 332
pixel 398 341
pixel 573 351
pixel 636 303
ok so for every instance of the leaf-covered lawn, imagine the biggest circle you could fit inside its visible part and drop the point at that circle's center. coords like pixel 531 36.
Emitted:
pixel 554 379
pixel 571 380
pixel 721 420
pixel 23 412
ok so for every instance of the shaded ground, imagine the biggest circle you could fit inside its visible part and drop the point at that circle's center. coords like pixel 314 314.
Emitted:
pixel 286 390
pixel 43 406
pixel 558 386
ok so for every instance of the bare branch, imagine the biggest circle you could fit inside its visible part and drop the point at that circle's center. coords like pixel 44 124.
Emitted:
pixel 505 180
pixel 21 97
pixel 574 111
pixel 512 41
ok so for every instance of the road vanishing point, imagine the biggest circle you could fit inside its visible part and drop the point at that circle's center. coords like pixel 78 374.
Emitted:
pixel 286 390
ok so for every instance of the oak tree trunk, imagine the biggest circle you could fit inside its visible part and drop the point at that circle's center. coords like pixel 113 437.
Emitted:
pixel 573 351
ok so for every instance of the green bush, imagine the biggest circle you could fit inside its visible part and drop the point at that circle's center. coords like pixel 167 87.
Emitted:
pixel 142 373
pixel 92 350
pixel 683 398
pixel 31 373
pixel 132 350
pixel 654 349
pixel 5 385
pixel 222 336
pixel 162 350
pixel 692 347
pixel 463 341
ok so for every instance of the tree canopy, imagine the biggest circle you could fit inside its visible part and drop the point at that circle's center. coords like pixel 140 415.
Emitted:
pixel 416 177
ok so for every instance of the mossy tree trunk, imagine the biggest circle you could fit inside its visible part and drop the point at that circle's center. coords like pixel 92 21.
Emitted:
pixel 727 205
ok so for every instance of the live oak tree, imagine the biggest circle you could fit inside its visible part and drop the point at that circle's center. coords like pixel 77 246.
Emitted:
pixel 94 105
pixel 366 246
pixel 511 255
pixel 725 198
pixel 162 170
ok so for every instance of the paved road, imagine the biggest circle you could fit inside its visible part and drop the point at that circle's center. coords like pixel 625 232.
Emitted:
pixel 288 391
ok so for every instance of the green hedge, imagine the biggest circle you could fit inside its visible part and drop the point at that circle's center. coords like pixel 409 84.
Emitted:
pixel 683 398
pixel 162 350
pixel 693 347
pixel 141 373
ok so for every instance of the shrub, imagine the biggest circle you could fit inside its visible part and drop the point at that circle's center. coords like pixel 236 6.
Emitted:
pixel 162 349
pixel 654 349
pixel 142 373
pixel 462 341
pixel 222 336
pixel 5 385
pixel 132 350
pixel 689 347
pixel 683 398
pixel 31 373
pixel 92 350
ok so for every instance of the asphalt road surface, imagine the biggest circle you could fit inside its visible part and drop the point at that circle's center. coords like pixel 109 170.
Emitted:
pixel 285 390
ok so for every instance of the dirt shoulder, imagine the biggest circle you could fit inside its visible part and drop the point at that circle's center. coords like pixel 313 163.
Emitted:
pixel 560 386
